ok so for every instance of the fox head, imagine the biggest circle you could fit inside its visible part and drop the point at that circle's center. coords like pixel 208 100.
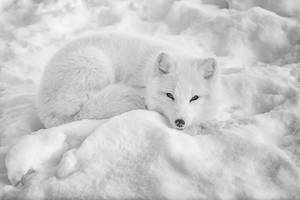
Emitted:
pixel 182 89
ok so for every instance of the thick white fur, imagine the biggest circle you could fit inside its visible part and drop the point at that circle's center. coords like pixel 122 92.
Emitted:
pixel 102 76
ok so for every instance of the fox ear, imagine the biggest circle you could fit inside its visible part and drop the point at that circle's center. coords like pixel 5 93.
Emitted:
pixel 208 67
pixel 164 63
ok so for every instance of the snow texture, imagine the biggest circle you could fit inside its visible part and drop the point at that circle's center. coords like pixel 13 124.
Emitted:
pixel 250 151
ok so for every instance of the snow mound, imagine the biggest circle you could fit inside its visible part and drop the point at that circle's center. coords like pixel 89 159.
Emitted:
pixel 251 34
pixel 289 8
pixel 151 161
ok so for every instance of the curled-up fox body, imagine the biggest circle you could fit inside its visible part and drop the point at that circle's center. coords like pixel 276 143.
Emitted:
pixel 104 75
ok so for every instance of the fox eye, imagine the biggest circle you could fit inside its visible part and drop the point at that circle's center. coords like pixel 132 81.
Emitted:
pixel 170 96
pixel 194 98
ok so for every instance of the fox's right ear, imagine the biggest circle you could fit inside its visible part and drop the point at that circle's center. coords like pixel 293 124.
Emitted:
pixel 163 63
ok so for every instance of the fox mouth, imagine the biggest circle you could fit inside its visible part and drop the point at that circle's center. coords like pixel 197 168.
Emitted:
pixel 179 128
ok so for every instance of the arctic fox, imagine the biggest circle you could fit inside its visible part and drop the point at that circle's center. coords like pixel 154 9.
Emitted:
pixel 101 76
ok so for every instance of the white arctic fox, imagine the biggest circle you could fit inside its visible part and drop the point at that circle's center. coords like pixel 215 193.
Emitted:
pixel 105 75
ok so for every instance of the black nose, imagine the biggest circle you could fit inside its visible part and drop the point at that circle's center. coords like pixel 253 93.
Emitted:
pixel 179 123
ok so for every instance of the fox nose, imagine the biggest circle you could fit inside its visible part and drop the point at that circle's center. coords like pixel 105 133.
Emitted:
pixel 179 123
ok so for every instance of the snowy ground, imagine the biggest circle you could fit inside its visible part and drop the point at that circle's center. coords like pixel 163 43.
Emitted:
pixel 251 151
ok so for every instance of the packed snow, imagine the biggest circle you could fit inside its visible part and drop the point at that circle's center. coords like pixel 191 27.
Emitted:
pixel 251 150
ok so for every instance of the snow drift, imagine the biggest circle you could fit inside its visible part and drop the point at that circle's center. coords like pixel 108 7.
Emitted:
pixel 151 161
pixel 251 150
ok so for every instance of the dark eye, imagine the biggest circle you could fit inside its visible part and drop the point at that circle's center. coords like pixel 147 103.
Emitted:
pixel 194 98
pixel 170 96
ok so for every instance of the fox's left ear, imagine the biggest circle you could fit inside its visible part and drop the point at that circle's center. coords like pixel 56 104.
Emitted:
pixel 208 66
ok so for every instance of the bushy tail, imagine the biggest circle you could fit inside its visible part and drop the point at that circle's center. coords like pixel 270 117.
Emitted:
pixel 112 100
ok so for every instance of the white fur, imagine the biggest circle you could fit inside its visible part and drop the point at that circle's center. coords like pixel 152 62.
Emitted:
pixel 102 76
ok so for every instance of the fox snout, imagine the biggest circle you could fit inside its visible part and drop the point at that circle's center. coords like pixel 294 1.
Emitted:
pixel 180 124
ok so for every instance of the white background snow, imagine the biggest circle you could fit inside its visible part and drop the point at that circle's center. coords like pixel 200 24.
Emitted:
pixel 252 150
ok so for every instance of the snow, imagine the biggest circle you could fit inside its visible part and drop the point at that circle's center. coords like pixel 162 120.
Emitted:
pixel 287 8
pixel 150 160
pixel 250 151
